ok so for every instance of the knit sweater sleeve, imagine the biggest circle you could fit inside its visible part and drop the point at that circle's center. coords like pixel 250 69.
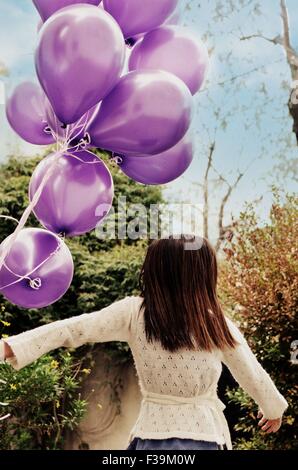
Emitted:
pixel 251 376
pixel 112 323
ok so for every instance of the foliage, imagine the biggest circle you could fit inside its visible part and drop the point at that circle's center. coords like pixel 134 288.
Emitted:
pixel 259 284
pixel 43 402
pixel 105 270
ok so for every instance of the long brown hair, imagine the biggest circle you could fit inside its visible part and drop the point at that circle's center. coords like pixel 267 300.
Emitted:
pixel 178 285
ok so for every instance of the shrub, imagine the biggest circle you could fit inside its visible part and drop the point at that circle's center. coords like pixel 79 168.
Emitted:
pixel 42 401
pixel 259 285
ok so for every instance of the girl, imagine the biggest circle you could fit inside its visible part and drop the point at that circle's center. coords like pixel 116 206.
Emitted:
pixel 179 339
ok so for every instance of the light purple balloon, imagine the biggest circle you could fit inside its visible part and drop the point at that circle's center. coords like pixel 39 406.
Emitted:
pixel 162 168
pixel 79 59
pixel 174 49
pixel 25 111
pixel 139 16
pixel 46 262
pixel 77 196
pixel 173 19
pixel 47 8
pixel 147 112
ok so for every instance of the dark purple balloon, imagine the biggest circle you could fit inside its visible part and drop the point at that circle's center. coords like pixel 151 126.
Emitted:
pixel 174 49
pixel 25 111
pixel 147 112
pixel 79 59
pixel 47 8
pixel 162 168
pixel 139 16
pixel 77 196
pixel 46 262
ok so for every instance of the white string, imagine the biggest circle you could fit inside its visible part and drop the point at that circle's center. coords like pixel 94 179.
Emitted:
pixel 95 161
pixel 34 283
pixel 9 218
pixel 81 145
pixel 5 417
pixel 2 418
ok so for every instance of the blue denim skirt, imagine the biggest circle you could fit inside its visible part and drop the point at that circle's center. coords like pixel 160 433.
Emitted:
pixel 172 443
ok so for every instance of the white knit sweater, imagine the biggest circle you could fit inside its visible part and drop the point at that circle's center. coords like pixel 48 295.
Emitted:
pixel 179 389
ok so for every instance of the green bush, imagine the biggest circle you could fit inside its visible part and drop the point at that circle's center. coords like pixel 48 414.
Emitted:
pixel 105 271
pixel 259 285
pixel 42 401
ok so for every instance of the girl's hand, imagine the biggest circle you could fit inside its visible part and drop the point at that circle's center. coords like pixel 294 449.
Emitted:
pixel 5 351
pixel 269 425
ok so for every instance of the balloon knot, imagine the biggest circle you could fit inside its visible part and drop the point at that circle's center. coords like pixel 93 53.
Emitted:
pixel 87 138
pixel 130 42
pixel 35 283
pixel 116 158
pixel 47 130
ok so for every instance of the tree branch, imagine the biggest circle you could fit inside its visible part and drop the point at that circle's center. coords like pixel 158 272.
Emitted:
pixel 292 60
pixel 278 40
pixel 284 40
pixel 206 190
pixel 221 229
pixel 292 56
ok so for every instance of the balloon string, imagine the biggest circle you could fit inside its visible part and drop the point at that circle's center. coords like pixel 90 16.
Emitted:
pixel 95 161
pixel 36 282
pixel 2 418
pixel 9 218
pixel 29 208
pixel 88 117
pixel 82 145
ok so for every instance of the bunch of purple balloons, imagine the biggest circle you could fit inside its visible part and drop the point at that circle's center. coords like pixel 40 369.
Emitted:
pixel 88 98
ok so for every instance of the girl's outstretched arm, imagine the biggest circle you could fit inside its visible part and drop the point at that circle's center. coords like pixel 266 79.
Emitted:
pixel 251 376
pixel 112 323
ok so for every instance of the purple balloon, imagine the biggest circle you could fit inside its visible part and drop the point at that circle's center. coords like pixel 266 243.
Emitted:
pixel 39 266
pixel 79 59
pixel 162 168
pixel 147 112
pixel 25 111
pixel 77 196
pixel 173 19
pixel 139 16
pixel 47 8
pixel 174 49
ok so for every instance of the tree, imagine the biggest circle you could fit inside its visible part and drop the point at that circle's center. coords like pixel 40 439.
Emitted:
pixel 284 40
pixel 259 286
pixel 240 117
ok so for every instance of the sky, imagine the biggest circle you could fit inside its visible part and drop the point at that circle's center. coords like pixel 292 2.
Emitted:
pixel 243 102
